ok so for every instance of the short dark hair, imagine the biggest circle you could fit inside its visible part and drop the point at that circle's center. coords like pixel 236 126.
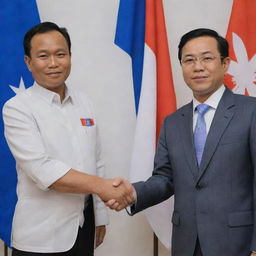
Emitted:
pixel 43 28
pixel 222 43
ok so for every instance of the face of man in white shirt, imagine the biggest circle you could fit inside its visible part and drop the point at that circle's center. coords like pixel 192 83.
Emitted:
pixel 50 61
pixel 203 67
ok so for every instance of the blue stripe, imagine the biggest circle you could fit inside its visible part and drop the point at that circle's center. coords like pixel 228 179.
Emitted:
pixel 130 36
pixel 16 16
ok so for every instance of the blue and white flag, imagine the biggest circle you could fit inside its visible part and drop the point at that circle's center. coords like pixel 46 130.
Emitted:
pixel 16 16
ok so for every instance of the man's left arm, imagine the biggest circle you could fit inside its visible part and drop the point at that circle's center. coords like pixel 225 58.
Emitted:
pixel 253 157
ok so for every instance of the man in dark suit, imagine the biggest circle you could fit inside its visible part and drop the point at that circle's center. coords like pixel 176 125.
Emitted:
pixel 206 158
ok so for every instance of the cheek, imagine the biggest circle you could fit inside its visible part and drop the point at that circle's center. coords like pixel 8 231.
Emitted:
pixel 186 75
pixel 217 74
pixel 66 64
pixel 68 68
pixel 37 67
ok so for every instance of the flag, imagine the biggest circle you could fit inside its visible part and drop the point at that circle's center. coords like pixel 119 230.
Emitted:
pixel 16 16
pixel 141 32
pixel 241 35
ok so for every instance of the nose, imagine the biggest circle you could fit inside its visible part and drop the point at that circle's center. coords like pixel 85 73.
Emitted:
pixel 53 62
pixel 198 65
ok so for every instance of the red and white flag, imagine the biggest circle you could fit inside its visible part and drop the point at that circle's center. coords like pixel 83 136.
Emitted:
pixel 241 35
pixel 157 68
pixel 141 32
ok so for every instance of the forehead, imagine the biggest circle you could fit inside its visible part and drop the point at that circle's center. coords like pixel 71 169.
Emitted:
pixel 48 41
pixel 200 45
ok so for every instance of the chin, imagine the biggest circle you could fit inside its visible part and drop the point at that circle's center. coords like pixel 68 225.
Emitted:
pixel 202 89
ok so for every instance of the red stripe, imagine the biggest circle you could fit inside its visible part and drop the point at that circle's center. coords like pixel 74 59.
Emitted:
pixel 156 39
pixel 83 121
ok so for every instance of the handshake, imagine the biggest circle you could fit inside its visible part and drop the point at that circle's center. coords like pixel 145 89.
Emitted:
pixel 117 193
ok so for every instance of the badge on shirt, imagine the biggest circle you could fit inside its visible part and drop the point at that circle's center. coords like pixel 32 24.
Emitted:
pixel 87 121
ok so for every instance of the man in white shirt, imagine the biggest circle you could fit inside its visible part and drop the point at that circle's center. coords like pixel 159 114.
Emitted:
pixel 52 133
pixel 206 158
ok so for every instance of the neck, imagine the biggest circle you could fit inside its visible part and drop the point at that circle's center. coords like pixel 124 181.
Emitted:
pixel 201 98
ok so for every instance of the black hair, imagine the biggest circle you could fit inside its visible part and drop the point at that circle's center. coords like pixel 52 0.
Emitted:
pixel 43 28
pixel 222 43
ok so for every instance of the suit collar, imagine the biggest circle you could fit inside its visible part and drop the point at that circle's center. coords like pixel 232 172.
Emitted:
pixel 186 128
pixel 222 117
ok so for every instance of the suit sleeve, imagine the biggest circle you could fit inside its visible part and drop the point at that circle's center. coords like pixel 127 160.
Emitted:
pixel 253 157
pixel 159 186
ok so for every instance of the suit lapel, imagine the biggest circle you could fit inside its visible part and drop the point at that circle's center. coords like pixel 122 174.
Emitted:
pixel 222 117
pixel 186 128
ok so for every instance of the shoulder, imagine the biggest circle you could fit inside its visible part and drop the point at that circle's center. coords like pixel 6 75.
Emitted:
pixel 245 101
pixel 18 108
pixel 244 98
pixel 179 112
pixel 20 100
pixel 240 104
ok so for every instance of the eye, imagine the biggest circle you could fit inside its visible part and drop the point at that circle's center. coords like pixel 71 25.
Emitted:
pixel 208 58
pixel 42 56
pixel 189 61
pixel 61 54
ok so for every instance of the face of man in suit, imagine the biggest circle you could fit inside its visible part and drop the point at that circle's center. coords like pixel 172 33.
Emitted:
pixel 203 67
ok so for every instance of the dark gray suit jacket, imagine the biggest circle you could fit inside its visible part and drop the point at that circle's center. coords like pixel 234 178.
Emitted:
pixel 215 202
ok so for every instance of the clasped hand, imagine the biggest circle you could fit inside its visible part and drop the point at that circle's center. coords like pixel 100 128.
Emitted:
pixel 117 193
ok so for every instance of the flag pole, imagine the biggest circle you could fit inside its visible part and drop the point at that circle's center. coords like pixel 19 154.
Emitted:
pixel 155 245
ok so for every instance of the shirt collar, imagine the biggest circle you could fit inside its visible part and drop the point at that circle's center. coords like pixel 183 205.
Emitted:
pixel 213 100
pixel 50 96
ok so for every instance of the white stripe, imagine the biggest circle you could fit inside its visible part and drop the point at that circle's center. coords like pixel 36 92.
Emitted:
pixel 145 132
pixel 143 153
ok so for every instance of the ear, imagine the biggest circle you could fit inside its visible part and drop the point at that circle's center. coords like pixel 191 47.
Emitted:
pixel 225 63
pixel 27 61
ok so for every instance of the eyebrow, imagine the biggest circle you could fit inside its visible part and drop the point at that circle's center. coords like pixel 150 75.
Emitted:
pixel 203 53
pixel 57 50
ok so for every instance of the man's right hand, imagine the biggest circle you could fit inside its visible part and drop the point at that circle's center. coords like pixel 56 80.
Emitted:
pixel 130 198
pixel 117 193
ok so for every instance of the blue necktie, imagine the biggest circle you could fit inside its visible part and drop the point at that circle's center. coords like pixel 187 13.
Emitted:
pixel 200 133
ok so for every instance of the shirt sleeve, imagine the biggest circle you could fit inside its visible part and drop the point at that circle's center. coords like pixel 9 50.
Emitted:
pixel 26 145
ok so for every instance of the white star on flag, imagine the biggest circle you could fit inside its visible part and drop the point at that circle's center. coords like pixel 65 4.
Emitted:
pixel 243 71
pixel 20 89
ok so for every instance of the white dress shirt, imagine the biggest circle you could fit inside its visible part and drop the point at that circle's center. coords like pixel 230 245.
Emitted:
pixel 47 139
pixel 213 102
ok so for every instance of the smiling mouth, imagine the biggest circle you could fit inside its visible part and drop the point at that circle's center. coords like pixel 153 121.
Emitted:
pixel 199 78
pixel 53 74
